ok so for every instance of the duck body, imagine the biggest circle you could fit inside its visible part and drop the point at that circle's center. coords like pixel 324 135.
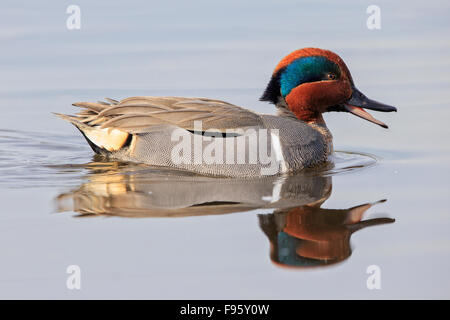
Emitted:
pixel 150 136
pixel 216 138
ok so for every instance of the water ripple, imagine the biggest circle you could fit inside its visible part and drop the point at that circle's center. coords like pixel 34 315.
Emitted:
pixel 32 159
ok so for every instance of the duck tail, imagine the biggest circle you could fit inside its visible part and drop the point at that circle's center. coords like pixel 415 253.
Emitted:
pixel 101 140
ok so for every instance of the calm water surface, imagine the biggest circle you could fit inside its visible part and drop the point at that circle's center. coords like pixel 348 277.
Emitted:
pixel 140 232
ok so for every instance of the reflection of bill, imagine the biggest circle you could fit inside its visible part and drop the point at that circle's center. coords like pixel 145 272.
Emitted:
pixel 309 236
pixel 301 233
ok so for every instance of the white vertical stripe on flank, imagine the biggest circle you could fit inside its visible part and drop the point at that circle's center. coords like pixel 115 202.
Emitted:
pixel 276 147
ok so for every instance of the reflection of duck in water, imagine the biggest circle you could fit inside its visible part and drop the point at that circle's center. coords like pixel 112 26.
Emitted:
pixel 309 236
pixel 301 233
pixel 136 192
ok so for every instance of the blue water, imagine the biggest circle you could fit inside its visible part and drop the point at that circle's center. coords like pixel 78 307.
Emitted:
pixel 134 237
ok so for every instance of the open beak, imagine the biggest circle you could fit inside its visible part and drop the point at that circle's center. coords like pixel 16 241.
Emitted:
pixel 358 102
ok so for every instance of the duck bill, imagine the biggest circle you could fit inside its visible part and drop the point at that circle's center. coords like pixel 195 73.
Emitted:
pixel 358 102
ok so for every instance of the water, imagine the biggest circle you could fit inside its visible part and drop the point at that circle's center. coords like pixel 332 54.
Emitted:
pixel 138 232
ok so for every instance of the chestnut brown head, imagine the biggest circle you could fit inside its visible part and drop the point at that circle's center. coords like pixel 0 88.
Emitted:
pixel 312 81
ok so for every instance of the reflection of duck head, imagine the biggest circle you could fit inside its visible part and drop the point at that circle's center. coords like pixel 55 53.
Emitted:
pixel 309 236
pixel 300 232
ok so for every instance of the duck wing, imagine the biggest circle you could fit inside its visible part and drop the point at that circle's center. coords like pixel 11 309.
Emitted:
pixel 145 114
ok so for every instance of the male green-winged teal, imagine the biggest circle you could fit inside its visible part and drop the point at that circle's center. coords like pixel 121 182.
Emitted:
pixel 165 131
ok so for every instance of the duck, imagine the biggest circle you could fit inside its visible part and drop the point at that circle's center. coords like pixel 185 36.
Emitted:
pixel 215 138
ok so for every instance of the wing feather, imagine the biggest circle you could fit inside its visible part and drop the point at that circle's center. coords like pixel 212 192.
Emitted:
pixel 145 113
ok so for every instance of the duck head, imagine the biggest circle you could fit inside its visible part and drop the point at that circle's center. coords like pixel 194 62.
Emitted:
pixel 312 81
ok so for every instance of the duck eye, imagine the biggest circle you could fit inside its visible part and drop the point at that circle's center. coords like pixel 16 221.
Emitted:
pixel 331 76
